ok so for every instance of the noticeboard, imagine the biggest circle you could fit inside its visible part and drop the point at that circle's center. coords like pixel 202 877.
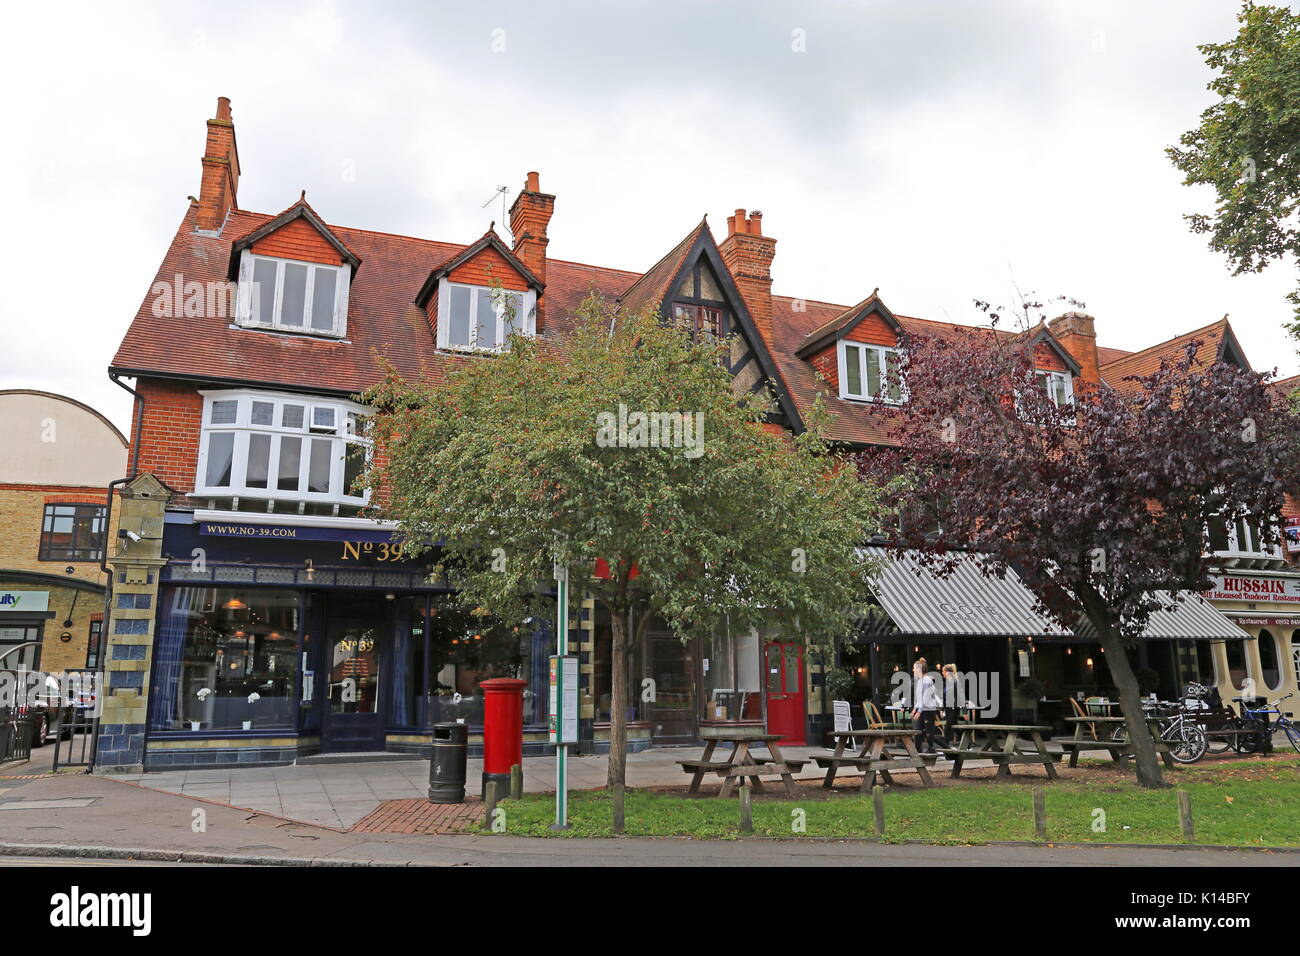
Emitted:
pixel 562 724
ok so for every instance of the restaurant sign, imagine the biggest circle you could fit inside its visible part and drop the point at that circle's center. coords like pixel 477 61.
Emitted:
pixel 1240 587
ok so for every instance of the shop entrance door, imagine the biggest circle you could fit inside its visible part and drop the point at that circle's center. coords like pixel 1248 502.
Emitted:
pixel 785 696
pixel 355 648
pixel 672 712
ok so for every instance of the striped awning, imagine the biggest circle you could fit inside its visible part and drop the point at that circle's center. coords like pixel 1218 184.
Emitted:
pixel 967 602
pixel 1188 618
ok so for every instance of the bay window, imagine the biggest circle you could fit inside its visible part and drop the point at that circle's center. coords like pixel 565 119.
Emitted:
pixel 287 295
pixel 281 447
pixel 475 318
pixel 871 372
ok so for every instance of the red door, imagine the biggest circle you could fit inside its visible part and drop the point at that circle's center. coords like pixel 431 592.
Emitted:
pixel 785 698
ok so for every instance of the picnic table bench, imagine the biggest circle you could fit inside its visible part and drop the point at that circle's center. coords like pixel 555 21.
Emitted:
pixel 876 756
pixel 1120 750
pixel 1001 745
pixel 741 763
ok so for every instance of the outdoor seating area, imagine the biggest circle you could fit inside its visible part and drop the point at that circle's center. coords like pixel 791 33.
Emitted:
pixel 741 764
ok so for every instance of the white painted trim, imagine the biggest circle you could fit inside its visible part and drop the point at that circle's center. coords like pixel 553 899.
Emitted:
pixel 244 310
pixel 526 319
pixel 304 521
pixel 881 353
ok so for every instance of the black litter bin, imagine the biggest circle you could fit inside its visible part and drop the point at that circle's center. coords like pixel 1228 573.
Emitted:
pixel 447 767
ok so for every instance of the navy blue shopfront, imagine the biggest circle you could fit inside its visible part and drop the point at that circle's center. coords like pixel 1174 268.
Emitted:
pixel 275 641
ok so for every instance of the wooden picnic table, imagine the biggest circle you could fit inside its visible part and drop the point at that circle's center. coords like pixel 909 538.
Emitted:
pixel 742 763
pixel 1001 744
pixel 1120 750
pixel 874 756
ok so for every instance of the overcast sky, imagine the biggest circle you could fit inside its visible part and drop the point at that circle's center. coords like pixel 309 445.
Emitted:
pixel 933 149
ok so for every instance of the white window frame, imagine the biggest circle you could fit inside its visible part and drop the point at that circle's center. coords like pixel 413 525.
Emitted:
pixel 244 308
pixel 881 353
pixel 342 439
pixel 1050 375
pixel 1237 548
pixel 526 321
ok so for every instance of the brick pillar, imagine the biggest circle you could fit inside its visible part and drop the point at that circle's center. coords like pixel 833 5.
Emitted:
pixel 134 573
pixel 582 632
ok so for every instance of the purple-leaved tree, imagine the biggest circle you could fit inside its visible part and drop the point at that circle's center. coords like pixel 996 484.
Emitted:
pixel 1098 503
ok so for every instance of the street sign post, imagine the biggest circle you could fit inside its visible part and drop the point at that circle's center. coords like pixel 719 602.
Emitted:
pixel 563 720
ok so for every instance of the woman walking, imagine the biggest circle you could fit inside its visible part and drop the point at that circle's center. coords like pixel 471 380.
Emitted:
pixel 925 704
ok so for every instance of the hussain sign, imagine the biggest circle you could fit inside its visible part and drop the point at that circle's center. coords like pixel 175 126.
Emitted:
pixel 1233 587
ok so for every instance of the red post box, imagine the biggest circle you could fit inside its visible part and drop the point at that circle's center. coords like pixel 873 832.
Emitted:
pixel 503 730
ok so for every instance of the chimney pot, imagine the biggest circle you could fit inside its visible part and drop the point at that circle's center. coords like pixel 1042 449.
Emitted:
pixel 755 223
pixel 533 183
pixel 223 108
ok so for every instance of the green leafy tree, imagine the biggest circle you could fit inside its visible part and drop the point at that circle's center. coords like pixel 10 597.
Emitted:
pixel 627 444
pixel 1247 146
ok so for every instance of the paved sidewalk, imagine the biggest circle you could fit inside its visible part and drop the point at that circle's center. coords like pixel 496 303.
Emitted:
pixel 118 820
pixel 340 794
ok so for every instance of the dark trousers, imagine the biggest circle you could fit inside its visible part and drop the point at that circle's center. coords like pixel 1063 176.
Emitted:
pixel 925 726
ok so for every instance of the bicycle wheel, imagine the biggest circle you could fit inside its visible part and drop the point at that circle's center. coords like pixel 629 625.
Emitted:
pixel 1292 734
pixel 1218 745
pixel 1187 743
pixel 1249 743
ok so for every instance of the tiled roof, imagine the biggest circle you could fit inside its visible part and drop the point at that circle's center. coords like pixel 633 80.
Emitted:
pixel 1213 339
pixel 651 288
pixel 1286 386
pixel 383 322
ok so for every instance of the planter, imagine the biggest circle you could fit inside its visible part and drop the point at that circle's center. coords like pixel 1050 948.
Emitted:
pixel 248 725
pixel 196 725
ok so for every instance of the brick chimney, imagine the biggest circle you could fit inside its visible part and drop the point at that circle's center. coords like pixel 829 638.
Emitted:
pixel 1074 330
pixel 748 255
pixel 529 217
pixel 220 185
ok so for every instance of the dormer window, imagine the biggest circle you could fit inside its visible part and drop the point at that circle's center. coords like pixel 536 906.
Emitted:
pixel 291 296
pixel 1059 387
pixel 871 372
pixel 475 318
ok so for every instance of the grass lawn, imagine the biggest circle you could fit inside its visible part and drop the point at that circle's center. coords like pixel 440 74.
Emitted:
pixel 1239 803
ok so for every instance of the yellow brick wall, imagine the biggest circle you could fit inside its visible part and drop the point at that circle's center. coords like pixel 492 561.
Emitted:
pixel 22 510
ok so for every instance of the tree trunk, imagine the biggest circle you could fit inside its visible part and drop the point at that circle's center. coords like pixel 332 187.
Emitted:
pixel 1130 701
pixel 617 776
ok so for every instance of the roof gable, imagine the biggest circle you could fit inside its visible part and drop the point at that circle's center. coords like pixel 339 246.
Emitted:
pixel 298 211
pixel 750 363
pixel 844 323
pixel 1216 343
pixel 488 241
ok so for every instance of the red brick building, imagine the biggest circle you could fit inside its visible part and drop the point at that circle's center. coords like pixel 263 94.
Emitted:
pixel 287 622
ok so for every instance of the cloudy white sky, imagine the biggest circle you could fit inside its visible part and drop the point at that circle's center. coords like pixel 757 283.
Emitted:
pixel 933 149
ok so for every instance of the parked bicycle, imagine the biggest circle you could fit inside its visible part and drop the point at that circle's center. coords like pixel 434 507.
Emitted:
pixel 1261 717
pixel 1186 738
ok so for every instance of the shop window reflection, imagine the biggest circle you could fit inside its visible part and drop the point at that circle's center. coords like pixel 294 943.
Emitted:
pixel 466 647
pixel 235 657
